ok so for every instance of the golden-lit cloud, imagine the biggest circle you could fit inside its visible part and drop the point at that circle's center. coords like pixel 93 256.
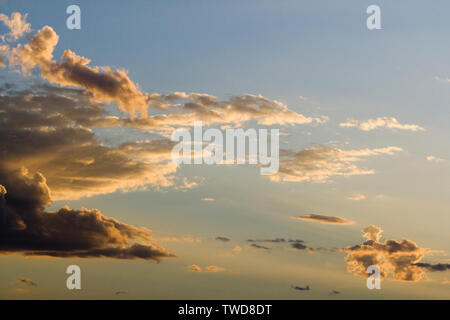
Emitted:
pixel 17 26
pixel 321 164
pixel 26 227
pixel 435 159
pixel 356 197
pixel 380 122
pixel 105 84
pixel 397 260
pixel 27 281
pixel 320 218
pixel 208 269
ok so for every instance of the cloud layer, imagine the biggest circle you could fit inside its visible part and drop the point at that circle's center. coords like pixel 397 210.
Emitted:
pixel 28 228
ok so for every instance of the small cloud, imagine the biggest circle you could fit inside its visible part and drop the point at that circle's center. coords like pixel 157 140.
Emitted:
pixel 194 268
pixel 121 292
pixel 209 269
pixel 334 292
pixel 209 199
pixel 214 269
pixel 257 246
pixel 440 79
pixel 435 159
pixel 27 281
pixel 356 197
pixel 320 218
pixel 276 240
pixel 235 251
pixel 299 245
pixel 303 98
pixel 187 239
pixel 433 267
pixel 191 239
pixel 380 122
pixel 223 239
pixel 307 288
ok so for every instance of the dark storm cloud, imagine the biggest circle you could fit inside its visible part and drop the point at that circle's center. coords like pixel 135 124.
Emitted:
pixel 28 228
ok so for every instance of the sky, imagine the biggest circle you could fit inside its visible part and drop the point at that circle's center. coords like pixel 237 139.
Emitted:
pixel 87 179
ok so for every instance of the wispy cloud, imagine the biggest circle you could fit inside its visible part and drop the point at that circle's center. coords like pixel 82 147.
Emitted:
pixel 380 122
pixel 320 218
pixel 356 197
pixel 321 164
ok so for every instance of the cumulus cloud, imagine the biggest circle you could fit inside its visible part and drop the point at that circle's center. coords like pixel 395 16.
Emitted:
pixel 121 292
pixel 380 122
pixel 26 226
pixel 223 239
pixel 17 26
pixel 321 164
pixel 397 260
pixel 320 218
pixel 103 83
pixel 41 123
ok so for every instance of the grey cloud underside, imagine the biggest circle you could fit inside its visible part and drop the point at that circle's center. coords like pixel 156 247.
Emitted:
pixel 28 228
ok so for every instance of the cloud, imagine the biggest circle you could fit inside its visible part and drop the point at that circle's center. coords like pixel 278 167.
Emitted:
pixel 320 218
pixel 41 123
pixel 103 83
pixel 433 267
pixel 356 197
pixel 234 252
pixel 121 292
pixel 380 122
pixel 27 281
pixel 17 26
pixel 209 199
pixel 26 227
pixel 276 240
pixel 208 269
pixel 107 85
pixel 223 239
pixel 321 164
pixel 335 292
pixel 188 239
pixel 397 260
pixel 214 269
pixel 257 246
pixel 194 268
pixel 307 288
pixel 435 159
